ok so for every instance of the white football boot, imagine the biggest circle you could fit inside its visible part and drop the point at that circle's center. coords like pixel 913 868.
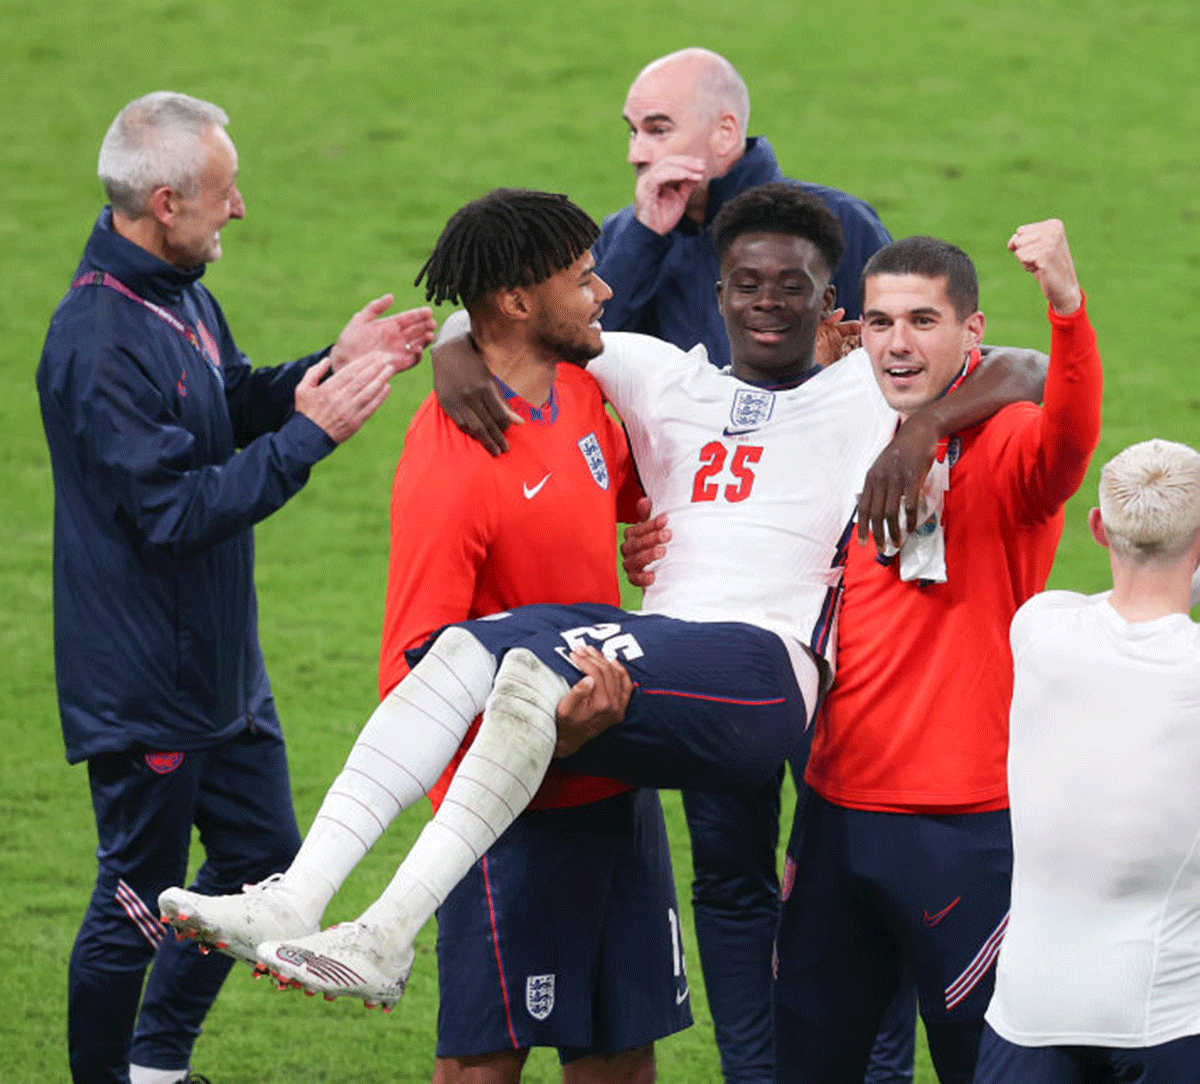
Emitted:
pixel 347 960
pixel 235 924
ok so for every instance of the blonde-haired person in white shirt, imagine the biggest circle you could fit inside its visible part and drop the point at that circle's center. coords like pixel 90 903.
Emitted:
pixel 1099 974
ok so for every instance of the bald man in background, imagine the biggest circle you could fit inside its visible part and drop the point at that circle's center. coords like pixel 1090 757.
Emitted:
pixel 688 114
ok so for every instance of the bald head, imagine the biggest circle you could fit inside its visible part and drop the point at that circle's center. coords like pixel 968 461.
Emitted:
pixel 691 106
pixel 714 84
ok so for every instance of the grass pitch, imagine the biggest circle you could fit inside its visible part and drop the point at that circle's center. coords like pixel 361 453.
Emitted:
pixel 361 128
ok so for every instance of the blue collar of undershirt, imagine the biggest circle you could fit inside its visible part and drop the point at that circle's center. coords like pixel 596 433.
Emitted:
pixel 546 414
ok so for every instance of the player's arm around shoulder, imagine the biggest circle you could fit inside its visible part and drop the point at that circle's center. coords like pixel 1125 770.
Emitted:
pixel 439 460
pixel 633 368
pixel 464 386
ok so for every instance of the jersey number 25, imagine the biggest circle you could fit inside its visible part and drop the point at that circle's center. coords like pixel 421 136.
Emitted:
pixel 706 486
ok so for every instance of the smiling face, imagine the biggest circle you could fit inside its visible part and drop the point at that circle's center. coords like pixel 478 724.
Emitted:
pixel 917 342
pixel 568 306
pixel 774 292
pixel 192 226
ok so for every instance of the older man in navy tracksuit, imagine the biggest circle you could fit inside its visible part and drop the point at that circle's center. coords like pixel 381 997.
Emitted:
pixel 146 400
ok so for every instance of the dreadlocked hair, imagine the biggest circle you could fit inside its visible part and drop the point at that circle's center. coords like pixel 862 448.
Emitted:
pixel 511 237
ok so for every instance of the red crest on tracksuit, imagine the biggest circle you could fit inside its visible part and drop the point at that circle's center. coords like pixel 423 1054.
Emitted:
pixel 164 763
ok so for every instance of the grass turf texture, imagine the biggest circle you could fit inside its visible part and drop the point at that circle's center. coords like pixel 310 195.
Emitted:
pixel 361 129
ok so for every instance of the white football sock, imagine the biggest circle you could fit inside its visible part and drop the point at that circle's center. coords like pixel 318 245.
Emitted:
pixel 495 781
pixel 398 756
pixel 141 1074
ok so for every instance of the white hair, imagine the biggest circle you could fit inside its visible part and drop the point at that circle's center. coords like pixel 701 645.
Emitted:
pixel 1150 500
pixel 155 141
pixel 718 84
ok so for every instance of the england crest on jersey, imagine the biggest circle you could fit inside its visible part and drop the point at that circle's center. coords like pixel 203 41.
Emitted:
pixel 539 995
pixel 751 408
pixel 593 455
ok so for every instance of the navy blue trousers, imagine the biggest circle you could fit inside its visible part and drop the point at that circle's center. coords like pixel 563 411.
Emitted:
pixel 735 907
pixel 876 893
pixel 238 795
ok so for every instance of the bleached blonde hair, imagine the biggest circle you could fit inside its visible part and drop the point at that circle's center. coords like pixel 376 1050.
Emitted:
pixel 156 140
pixel 1150 500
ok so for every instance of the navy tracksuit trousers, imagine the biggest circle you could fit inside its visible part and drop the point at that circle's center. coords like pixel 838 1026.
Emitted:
pixel 238 795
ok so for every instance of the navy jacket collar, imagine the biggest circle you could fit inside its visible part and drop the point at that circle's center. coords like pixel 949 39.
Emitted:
pixel 756 166
pixel 144 273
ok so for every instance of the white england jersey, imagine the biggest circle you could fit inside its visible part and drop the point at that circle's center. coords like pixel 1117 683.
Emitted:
pixel 1103 941
pixel 759 486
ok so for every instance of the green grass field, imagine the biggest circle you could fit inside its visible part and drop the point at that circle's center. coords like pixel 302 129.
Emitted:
pixel 361 128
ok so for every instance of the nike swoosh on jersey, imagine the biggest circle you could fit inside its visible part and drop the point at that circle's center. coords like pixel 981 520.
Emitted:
pixel 532 491
pixel 681 995
pixel 739 432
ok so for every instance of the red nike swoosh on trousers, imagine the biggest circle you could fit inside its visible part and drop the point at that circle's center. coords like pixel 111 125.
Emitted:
pixel 933 920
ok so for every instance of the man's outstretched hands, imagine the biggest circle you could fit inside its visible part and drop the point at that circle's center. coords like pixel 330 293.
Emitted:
pixel 594 703
pixel 1043 251
pixel 663 190
pixel 343 390
pixel 401 336
pixel 341 403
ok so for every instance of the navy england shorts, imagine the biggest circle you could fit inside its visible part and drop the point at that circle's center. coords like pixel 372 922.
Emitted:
pixel 715 704
pixel 565 934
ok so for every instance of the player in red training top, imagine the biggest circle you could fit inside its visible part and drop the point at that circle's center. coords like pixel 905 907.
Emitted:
pixel 907 852
pixel 474 535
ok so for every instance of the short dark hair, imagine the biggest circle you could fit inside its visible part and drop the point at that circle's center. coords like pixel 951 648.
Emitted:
pixel 931 259
pixel 780 207
pixel 510 237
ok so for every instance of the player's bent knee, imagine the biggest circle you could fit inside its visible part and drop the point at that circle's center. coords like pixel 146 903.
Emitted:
pixel 459 650
pixel 519 717
pixel 525 695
